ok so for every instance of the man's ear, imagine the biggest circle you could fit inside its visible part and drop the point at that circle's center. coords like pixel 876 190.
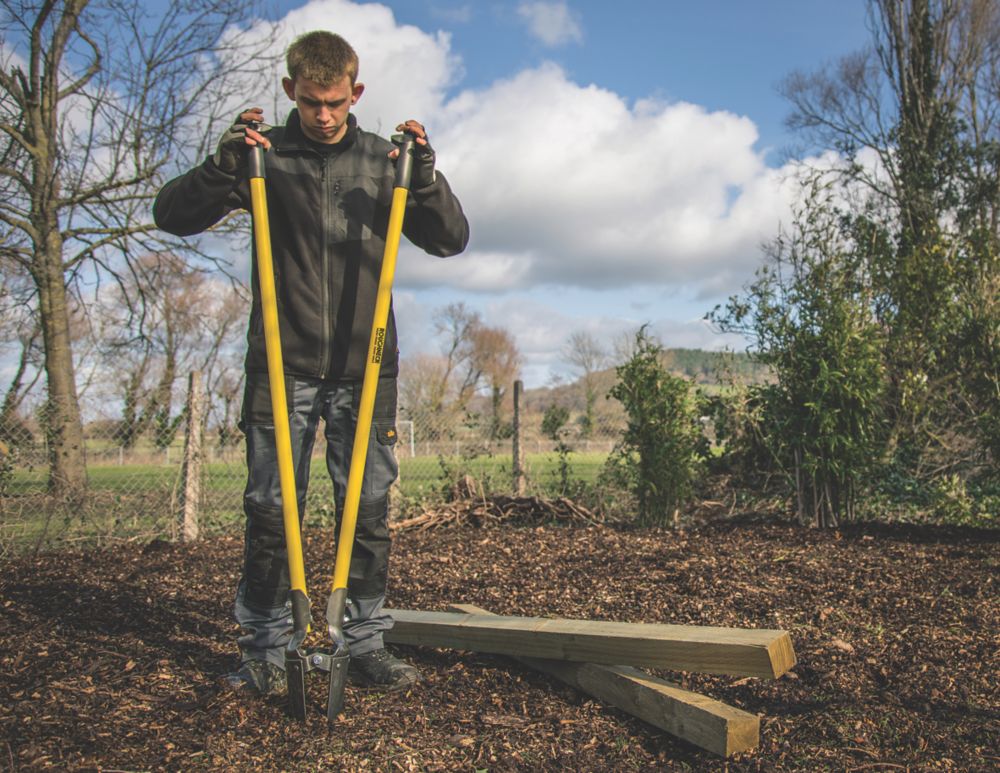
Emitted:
pixel 289 86
pixel 356 92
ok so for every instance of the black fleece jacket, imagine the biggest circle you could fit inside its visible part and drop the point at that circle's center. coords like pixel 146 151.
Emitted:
pixel 328 215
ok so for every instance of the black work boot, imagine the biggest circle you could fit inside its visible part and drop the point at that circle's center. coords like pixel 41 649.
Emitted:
pixel 258 677
pixel 381 669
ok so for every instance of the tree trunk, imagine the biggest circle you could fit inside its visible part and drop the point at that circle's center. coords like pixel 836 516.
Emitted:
pixel 63 426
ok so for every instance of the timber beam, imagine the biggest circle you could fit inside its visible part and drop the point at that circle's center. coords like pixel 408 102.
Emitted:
pixel 733 651
pixel 697 719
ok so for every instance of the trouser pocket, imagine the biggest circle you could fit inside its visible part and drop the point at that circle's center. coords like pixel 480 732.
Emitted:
pixel 384 412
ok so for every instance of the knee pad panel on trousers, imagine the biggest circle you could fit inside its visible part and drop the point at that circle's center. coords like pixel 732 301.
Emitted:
pixel 370 557
pixel 265 564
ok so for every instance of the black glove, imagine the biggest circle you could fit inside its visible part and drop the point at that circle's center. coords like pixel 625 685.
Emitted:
pixel 423 166
pixel 231 153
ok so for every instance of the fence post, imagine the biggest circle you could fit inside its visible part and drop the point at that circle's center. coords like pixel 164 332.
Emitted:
pixel 395 490
pixel 518 460
pixel 192 460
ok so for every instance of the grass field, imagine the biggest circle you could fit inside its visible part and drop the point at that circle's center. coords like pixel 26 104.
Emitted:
pixel 130 501
pixel 419 474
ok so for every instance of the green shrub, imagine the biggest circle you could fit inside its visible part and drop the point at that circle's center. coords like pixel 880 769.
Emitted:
pixel 811 314
pixel 656 461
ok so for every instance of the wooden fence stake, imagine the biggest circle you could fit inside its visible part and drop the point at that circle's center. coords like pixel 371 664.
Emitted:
pixel 758 652
pixel 192 460
pixel 518 460
pixel 697 719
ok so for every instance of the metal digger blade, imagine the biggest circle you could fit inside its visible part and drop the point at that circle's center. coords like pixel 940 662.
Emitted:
pixel 295 674
pixel 339 664
pixel 296 659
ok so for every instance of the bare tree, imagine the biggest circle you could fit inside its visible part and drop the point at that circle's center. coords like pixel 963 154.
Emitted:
pixel 457 324
pixel 222 351
pixel 190 318
pixel 474 357
pixel 929 76
pixel 434 389
pixel 922 99
pixel 496 358
pixel 19 340
pixel 623 346
pixel 586 354
pixel 425 395
pixel 97 101
pixel 225 400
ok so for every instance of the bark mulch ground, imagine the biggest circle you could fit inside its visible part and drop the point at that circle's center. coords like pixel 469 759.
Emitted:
pixel 111 659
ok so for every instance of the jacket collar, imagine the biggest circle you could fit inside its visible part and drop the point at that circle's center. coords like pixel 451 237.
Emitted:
pixel 294 139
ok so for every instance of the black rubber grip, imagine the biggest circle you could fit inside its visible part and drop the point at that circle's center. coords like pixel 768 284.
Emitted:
pixel 256 162
pixel 404 164
pixel 300 610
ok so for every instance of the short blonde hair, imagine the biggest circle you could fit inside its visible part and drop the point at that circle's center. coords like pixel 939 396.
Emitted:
pixel 322 57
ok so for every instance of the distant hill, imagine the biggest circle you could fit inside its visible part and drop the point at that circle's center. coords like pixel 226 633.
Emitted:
pixel 714 367
pixel 703 367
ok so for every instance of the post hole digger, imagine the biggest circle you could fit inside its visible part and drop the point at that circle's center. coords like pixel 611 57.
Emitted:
pixel 298 659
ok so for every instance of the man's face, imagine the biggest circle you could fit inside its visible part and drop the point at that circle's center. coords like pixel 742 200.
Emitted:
pixel 323 110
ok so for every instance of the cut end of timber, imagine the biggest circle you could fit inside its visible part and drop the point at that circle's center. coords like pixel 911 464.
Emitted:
pixel 782 654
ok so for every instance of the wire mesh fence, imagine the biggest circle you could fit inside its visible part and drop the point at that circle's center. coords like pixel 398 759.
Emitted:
pixel 141 489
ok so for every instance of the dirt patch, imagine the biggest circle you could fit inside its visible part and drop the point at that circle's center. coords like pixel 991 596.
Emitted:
pixel 111 659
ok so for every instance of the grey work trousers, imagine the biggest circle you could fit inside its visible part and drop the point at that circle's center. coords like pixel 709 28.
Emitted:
pixel 262 607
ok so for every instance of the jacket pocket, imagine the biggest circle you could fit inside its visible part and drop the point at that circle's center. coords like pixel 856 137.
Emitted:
pixel 359 204
pixel 256 321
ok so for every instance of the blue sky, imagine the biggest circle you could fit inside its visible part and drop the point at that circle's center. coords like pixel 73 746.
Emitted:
pixel 722 54
pixel 620 163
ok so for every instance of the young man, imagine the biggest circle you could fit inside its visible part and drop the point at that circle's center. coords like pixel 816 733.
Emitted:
pixel 329 188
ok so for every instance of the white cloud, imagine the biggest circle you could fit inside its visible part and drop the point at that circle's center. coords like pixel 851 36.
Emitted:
pixel 568 187
pixel 551 22
pixel 406 71
pixel 563 183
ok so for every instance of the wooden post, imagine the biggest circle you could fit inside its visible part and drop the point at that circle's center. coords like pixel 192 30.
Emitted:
pixel 763 653
pixel 192 460
pixel 698 719
pixel 396 488
pixel 518 456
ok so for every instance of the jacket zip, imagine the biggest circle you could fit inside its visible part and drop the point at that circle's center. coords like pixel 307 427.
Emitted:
pixel 298 158
pixel 324 356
